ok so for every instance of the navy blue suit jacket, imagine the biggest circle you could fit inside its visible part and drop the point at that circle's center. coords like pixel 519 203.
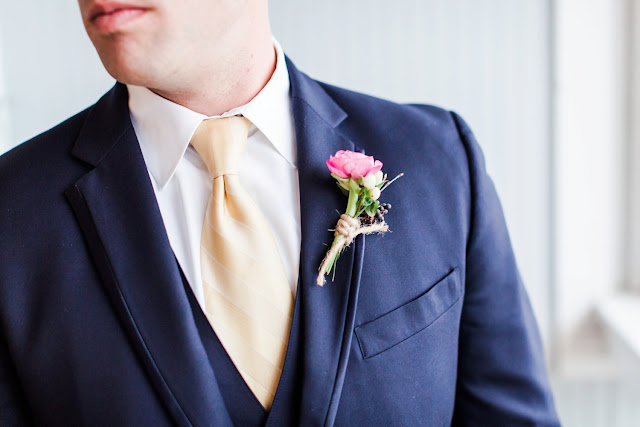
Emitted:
pixel 426 325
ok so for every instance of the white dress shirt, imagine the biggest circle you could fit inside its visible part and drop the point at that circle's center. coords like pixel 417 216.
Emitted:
pixel 268 169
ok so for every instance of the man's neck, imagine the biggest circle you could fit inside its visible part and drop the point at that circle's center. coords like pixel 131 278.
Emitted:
pixel 233 80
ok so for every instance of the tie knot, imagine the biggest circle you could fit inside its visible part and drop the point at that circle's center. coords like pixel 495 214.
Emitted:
pixel 220 143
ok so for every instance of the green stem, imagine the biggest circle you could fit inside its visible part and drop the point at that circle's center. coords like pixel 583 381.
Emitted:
pixel 352 203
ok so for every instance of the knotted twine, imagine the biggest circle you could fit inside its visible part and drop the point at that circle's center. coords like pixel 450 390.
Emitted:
pixel 347 227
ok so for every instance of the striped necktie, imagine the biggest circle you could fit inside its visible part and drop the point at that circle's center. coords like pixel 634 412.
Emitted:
pixel 247 297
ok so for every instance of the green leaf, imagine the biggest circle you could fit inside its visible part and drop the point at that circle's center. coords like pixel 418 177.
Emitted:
pixel 337 178
pixel 342 182
pixel 344 190
pixel 371 209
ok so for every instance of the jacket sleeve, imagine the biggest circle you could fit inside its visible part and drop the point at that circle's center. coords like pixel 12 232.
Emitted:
pixel 502 379
pixel 13 406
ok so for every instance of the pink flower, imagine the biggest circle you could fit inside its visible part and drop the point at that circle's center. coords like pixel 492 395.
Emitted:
pixel 348 164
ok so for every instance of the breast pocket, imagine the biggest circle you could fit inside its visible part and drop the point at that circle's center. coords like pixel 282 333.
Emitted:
pixel 402 323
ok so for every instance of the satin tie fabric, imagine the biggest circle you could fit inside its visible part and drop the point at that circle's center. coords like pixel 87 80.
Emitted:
pixel 248 300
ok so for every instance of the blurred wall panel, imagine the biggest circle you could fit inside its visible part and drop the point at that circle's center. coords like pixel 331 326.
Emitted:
pixel 632 267
pixel 591 127
pixel 488 60
pixel 50 68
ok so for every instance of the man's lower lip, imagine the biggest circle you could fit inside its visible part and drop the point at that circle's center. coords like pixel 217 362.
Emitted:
pixel 114 21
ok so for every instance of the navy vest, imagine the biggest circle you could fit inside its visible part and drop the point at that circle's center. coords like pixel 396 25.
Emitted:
pixel 243 407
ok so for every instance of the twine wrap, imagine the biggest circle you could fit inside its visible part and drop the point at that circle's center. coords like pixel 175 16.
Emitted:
pixel 346 230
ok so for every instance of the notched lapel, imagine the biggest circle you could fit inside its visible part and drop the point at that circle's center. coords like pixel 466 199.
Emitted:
pixel 116 207
pixel 327 313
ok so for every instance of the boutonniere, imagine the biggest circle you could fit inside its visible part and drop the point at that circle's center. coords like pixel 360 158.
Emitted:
pixel 361 179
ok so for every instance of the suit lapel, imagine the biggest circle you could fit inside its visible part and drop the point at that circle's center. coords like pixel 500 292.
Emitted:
pixel 116 207
pixel 327 314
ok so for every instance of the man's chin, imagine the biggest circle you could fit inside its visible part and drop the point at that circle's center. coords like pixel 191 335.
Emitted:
pixel 131 74
pixel 124 64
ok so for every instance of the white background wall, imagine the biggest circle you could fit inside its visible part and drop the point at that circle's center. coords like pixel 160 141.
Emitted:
pixel 632 267
pixel 51 70
pixel 591 131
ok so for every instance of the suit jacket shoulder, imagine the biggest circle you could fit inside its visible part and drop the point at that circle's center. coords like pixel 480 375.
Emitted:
pixel 29 168
pixel 416 129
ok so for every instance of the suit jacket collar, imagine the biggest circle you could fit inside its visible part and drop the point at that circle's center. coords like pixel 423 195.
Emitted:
pixel 117 211
pixel 106 124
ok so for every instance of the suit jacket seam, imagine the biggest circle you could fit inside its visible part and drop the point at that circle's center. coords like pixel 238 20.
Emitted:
pixel 472 186
pixel 314 110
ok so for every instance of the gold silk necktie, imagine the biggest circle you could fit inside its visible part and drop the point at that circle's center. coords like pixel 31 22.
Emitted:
pixel 247 296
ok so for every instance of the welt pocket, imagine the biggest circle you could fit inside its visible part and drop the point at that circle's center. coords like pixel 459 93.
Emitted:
pixel 392 328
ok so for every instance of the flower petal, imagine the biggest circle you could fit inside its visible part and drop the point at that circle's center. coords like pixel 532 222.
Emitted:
pixel 339 171
pixel 377 165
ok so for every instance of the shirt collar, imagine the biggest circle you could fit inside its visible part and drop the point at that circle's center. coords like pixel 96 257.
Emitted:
pixel 165 128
